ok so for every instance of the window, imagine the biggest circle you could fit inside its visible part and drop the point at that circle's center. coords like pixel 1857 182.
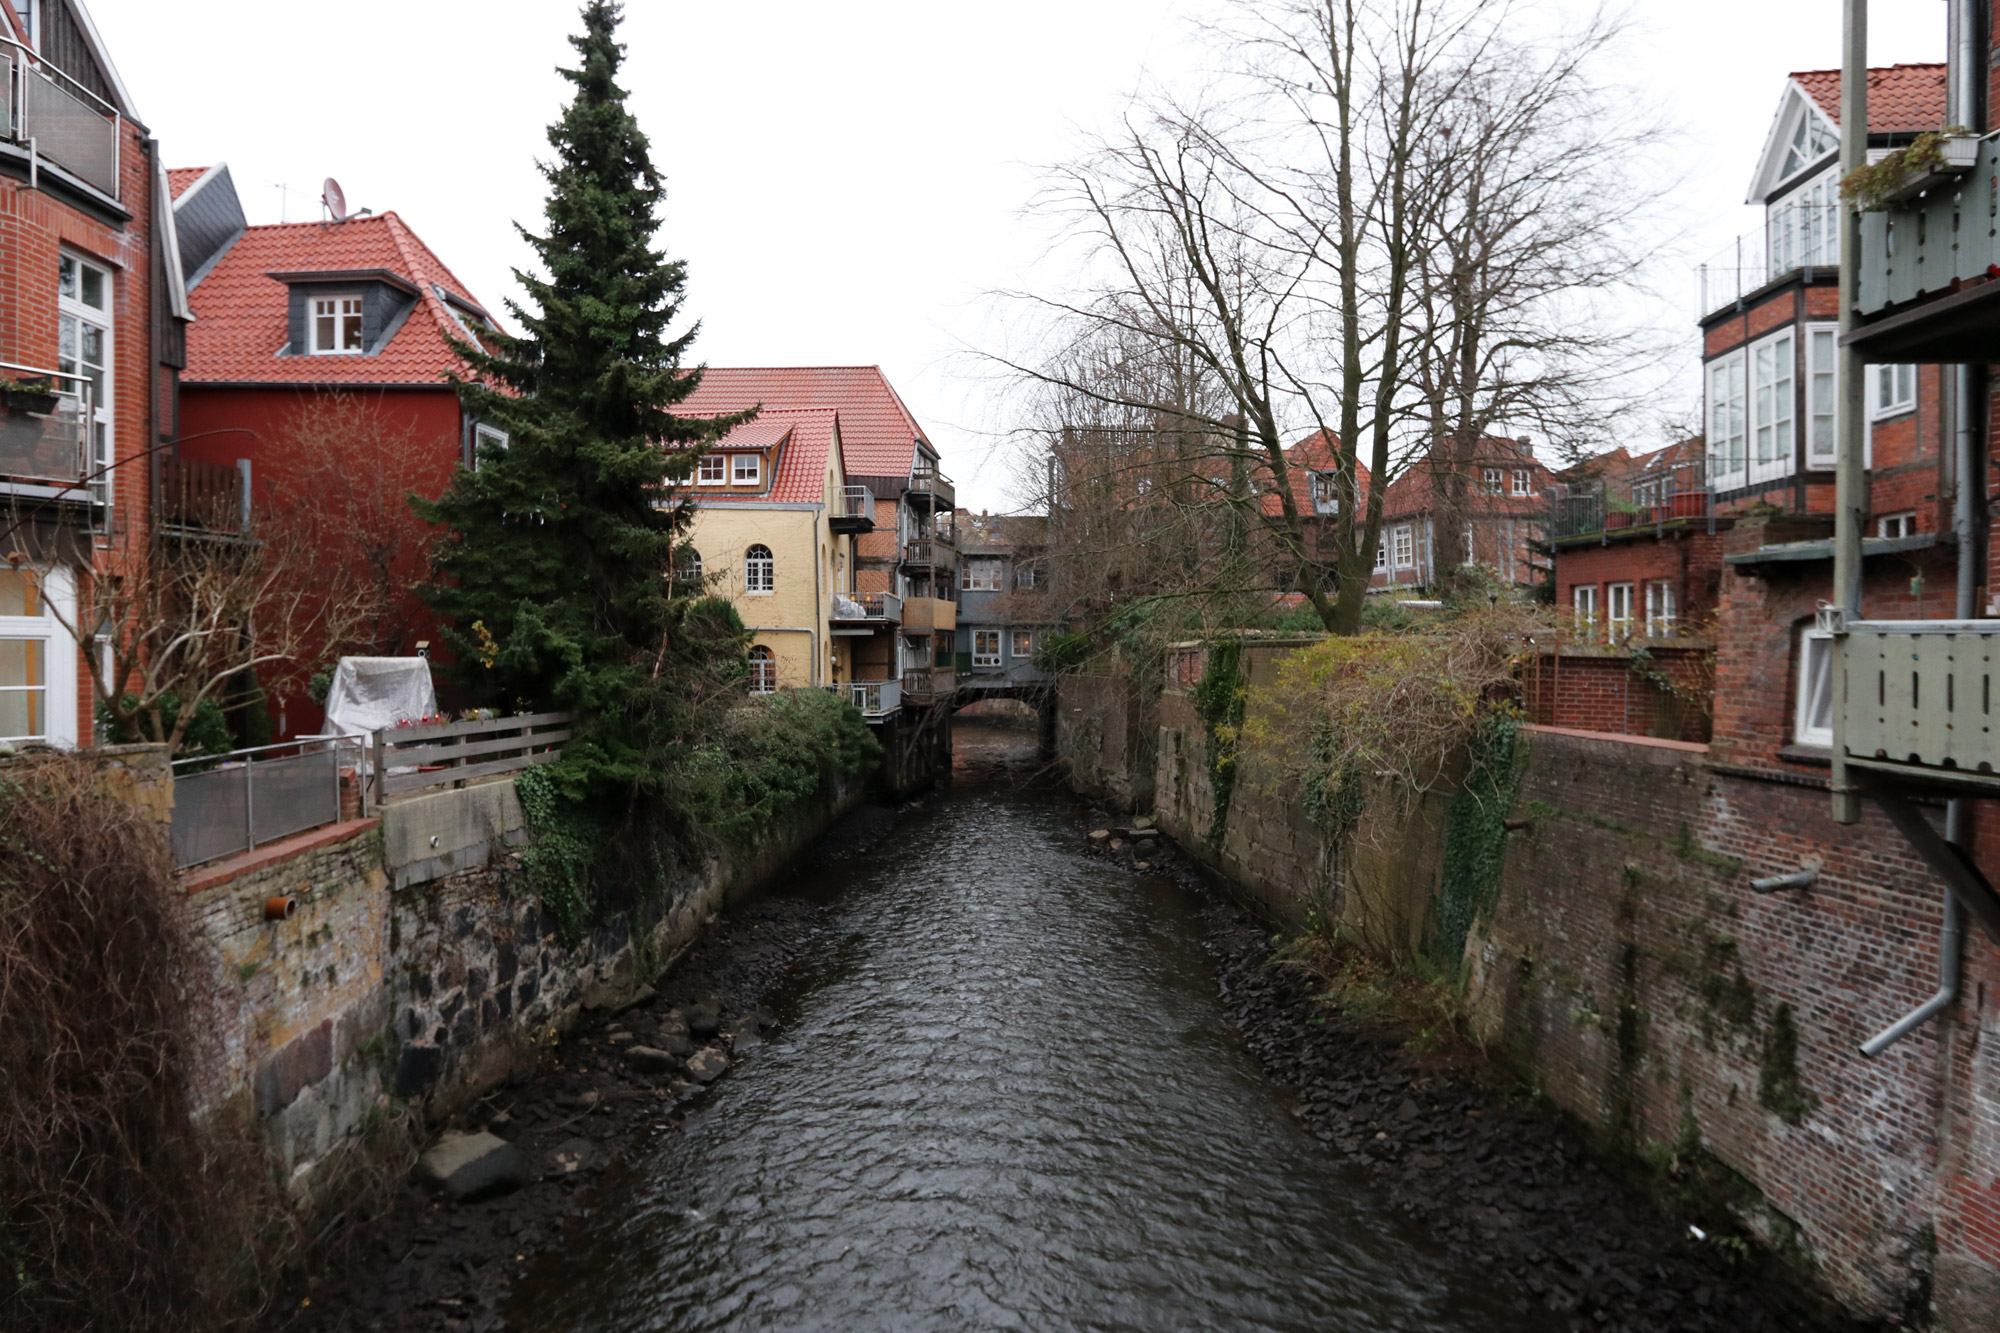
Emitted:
pixel 1897 525
pixel 1804 227
pixel 37 675
pixel 746 469
pixel 335 326
pixel 83 347
pixel 1812 139
pixel 759 570
pixel 1024 577
pixel 1491 481
pixel 983 575
pixel 1325 498
pixel 1024 645
pixel 1584 599
pixel 1822 394
pixel 1813 722
pixel 1468 544
pixel 763 670
pixel 30 12
pixel 1524 481
pixel 1405 546
pixel 486 440
pixel 986 647
pixel 1660 609
pixel 1771 408
pixel 687 565
pixel 1726 420
pixel 1894 390
pixel 1382 553
pixel 712 470
pixel 1618 611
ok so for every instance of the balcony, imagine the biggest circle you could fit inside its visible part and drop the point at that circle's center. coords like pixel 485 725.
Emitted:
pixel 1594 510
pixel 208 498
pixel 1803 236
pixel 853 510
pixel 931 487
pixel 866 611
pixel 1921 701
pixel 876 699
pixel 932 614
pixel 61 121
pixel 930 553
pixel 1925 286
pixel 929 684
pixel 44 441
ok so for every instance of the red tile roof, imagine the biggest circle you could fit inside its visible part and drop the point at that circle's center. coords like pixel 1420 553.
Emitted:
pixel 1901 98
pixel 802 436
pixel 877 433
pixel 1410 494
pixel 179 178
pixel 1317 452
pixel 239 311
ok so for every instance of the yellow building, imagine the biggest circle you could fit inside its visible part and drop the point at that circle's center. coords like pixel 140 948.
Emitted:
pixel 773 533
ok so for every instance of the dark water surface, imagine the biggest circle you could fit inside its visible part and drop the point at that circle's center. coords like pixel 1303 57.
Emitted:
pixel 1004 1099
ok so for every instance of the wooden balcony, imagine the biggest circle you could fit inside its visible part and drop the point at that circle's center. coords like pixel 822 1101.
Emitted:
pixel 931 488
pixel 207 498
pixel 929 684
pixel 935 614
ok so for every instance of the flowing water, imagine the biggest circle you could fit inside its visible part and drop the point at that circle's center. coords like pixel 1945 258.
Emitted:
pixel 1003 1098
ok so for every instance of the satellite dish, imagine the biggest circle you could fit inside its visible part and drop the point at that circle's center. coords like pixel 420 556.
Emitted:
pixel 334 199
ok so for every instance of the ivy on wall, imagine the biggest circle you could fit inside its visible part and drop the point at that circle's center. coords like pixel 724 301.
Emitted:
pixel 1219 700
pixel 1475 839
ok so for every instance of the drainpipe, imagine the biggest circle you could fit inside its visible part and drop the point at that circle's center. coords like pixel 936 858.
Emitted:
pixel 1948 958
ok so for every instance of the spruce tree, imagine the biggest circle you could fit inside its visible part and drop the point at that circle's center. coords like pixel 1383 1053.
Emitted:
pixel 555 567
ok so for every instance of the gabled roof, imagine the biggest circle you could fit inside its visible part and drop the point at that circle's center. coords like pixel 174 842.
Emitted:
pixel 1902 99
pixel 1411 493
pixel 1317 452
pixel 878 436
pixel 804 437
pixel 240 310
pixel 179 178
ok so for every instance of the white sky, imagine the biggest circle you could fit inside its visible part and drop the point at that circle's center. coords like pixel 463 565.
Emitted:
pixel 845 181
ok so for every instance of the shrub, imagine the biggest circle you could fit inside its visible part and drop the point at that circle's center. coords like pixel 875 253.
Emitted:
pixel 772 752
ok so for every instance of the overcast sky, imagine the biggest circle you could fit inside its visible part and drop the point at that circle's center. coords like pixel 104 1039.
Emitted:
pixel 845 181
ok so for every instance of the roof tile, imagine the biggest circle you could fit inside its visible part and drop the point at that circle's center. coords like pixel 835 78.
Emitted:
pixel 1901 98
pixel 877 433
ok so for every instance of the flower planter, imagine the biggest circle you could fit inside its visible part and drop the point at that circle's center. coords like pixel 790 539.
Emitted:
pixel 1616 520
pixel 20 401
pixel 1959 151
pixel 1687 504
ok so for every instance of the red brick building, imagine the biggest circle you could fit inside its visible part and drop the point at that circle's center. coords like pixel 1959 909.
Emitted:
pixel 319 339
pixel 92 310
pixel 1505 511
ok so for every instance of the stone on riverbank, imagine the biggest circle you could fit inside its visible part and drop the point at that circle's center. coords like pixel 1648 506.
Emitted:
pixel 708 1063
pixel 473 1166
pixel 651 1060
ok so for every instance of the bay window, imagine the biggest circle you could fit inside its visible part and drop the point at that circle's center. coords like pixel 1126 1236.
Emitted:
pixel 1771 407
pixel 1726 421
pixel 1822 394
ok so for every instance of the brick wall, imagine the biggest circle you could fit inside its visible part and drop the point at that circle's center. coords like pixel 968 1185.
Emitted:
pixel 1616 690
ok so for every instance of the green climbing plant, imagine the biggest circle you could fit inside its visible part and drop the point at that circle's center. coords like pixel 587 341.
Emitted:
pixel 1219 701
pixel 1475 840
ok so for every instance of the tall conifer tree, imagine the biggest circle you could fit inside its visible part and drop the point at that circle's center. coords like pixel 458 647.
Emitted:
pixel 555 568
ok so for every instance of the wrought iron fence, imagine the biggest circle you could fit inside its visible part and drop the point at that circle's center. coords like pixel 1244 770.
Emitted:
pixel 224 804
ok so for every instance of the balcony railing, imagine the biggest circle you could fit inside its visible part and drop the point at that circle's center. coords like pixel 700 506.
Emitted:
pixel 43 433
pixel 929 683
pixel 855 503
pixel 60 119
pixel 882 608
pixel 1802 236
pixel 205 497
pixel 224 804
pixel 930 613
pixel 875 698
pixel 927 551
pixel 1652 499
pixel 928 481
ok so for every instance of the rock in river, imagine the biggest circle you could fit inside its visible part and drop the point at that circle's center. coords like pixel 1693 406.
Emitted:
pixel 708 1063
pixel 473 1166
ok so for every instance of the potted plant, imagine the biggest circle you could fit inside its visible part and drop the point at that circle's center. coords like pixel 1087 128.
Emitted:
pixel 37 396
pixel 1619 514
pixel 1687 504
pixel 1928 161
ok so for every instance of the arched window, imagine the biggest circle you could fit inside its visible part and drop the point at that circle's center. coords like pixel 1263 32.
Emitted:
pixel 687 565
pixel 763 670
pixel 759 570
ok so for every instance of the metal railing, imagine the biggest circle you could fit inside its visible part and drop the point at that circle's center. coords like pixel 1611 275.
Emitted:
pixel 875 698
pixel 1652 499
pixel 925 551
pixel 411 759
pixel 855 502
pixel 929 683
pixel 885 607
pixel 210 497
pixel 44 429
pixel 1575 508
pixel 929 481
pixel 59 119
pixel 224 804
pixel 1804 236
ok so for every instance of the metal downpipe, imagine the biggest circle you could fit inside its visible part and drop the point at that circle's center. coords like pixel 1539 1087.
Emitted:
pixel 1949 938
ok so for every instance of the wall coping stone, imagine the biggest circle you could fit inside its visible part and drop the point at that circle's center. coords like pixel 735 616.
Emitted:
pixel 1618 738
pixel 271 853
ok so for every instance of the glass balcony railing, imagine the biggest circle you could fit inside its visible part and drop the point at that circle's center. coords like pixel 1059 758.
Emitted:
pixel 43 435
pixel 63 121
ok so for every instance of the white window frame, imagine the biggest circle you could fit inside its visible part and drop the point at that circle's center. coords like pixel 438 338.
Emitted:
pixel 1025 577
pixel 1822 394
pixel 1021 643
pixel 718 475
pixel 57 587
pixel 340 314
pixel 1815 659
pixel 687 566
pixel 1325 493
pixel 1404 546
pixel 1583 606
pixel 1491 479
pixel 742 475
pixel 1662 609
pixel 1773 406
pixel 1619 605
pixel 991 656
pixel 1728 418
pixel 1892 391
pixel 1382 553
pixel 990 577
pixel 1523 482
pixel 1897 525
pixel 483 434
pixel 763 670
pixel 760 572
pixel 73 316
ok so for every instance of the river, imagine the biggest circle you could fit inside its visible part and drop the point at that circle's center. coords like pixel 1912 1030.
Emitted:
pixel 1006 1099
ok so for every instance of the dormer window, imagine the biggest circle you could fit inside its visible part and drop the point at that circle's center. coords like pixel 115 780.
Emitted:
pixel 712 470
pixel 336 325
pixel 745 469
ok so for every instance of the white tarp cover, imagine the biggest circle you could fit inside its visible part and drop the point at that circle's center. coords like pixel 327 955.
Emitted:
pixel 371 693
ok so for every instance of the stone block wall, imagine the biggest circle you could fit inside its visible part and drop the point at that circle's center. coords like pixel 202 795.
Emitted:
pixel 1098 720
